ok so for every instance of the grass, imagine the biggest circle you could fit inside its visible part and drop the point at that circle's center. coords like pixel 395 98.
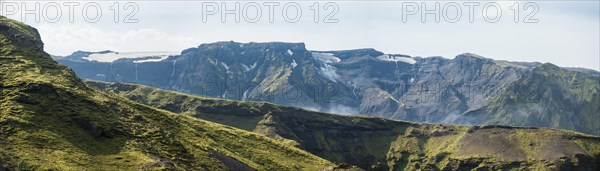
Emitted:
pixel 549 96
pixel 376 143
pixel 50 120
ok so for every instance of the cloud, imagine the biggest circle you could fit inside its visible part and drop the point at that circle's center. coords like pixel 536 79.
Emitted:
pixel 566 35
pixel 64 39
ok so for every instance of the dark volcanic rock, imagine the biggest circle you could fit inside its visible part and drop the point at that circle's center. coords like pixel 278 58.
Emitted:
pixel 95 130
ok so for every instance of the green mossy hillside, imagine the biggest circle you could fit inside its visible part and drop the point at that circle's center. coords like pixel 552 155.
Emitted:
pixel 549 96
pixel 50 120
pixel 383 144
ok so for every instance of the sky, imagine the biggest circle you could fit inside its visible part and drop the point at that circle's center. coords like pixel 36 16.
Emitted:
pixel 566 33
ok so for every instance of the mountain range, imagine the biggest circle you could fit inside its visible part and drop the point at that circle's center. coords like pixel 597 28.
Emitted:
pixel 468 89
pixel 52 120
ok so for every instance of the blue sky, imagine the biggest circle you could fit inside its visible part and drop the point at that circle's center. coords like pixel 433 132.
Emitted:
pixel 567 34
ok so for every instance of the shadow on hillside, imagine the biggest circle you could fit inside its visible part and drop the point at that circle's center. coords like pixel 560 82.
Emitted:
pixel 71 117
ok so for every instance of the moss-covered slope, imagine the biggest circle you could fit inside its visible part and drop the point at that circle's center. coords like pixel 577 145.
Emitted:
pixel 549 96
pixel 382 144
pixel 50 120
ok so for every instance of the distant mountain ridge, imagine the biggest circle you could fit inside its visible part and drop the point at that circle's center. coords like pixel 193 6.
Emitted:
pixel 361 81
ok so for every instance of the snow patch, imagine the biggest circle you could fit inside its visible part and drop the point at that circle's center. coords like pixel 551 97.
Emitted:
pixel 326 57
pixel 393 58
pixel 294 64
pixel 136 72
pixel 290 52
pixel 327 70
pixel 355 91
pixel 152 60
pixel 173 72
pixel 246 68
pixel 225 65
pixel 244 96
pixel 110 57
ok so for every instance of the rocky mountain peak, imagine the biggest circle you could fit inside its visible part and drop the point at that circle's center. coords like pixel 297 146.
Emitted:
pixel 265 45
pixel 471 57
pixel 471 61
pixel 345 54
pixel 547 67
pixel 20 34
pixel 234 57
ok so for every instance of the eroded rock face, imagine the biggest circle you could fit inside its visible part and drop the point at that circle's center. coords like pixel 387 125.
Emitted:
pixel 231 163
pixel 163 165
pixel 95 130
pixel 22 35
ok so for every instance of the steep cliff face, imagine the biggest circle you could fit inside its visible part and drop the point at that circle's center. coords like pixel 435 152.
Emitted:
pixel 50 120
pixel 427 89
pixel 382 144
pixel 361 81
pixel 277 72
